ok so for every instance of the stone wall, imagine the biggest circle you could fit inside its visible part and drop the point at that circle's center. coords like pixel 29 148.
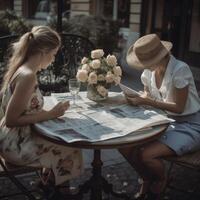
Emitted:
pixel 135 11
pixel 80 7
pixel 18 6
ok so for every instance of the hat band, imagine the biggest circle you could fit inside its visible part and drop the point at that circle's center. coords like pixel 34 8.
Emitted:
pixel 150 54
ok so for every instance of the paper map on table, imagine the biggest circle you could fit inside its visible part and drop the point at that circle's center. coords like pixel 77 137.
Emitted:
pixel 128 91
pixel 95 122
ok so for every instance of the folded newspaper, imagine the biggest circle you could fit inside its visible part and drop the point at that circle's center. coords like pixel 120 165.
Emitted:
pixel 93 122
pixel 128 91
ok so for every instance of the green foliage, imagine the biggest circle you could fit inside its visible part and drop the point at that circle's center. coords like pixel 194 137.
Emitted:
pixel 102 32
pixel 10 23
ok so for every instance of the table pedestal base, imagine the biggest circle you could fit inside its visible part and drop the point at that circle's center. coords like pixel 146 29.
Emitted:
pixel 97 183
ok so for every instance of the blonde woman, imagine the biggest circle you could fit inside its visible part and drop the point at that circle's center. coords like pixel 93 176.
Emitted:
pixel 168 85
pixel 22 106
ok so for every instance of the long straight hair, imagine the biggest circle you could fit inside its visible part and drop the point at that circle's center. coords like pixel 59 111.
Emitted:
pixel 41 39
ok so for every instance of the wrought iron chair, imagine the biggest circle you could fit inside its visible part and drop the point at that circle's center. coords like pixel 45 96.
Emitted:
pixel 190 161
pixel 67 61
pixel 11 171
pixel 54 79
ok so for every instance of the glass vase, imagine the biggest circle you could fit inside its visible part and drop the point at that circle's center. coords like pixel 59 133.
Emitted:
pixel 93 95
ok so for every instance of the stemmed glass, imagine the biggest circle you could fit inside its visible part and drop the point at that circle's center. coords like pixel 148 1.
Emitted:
pixel 74 88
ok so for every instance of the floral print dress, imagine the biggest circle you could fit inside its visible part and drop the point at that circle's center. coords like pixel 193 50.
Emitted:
pixel 21 146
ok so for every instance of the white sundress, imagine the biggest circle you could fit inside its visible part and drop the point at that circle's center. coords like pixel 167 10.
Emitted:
pixel 21 146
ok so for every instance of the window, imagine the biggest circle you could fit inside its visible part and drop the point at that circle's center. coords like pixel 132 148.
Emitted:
pixel 43 9
pixel 194 45
pixel 8 4
pixel 114 9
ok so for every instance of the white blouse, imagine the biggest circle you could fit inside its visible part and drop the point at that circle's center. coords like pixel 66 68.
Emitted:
pixel 177 75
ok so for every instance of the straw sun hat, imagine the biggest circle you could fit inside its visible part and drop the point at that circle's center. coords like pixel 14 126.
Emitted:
pixel 147 51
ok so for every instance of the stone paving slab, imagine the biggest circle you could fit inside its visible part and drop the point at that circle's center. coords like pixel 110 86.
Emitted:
pixel 124 179
pixel 119 172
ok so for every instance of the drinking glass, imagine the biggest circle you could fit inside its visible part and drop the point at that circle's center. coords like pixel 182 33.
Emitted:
pixel 74 88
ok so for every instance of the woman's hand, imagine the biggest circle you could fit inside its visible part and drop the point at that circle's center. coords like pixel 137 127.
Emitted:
pixel 59 109
pixel 143 99
pixel 180 99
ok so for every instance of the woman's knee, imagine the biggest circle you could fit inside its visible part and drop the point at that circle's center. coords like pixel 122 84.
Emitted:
pixel 154 150
pixel 125 151
pixel 144 155
pixel 130 152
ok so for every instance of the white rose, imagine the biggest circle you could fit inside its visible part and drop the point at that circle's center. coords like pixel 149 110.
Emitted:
pixel 98 53
pixel 117 71
pixel 117 80
pixel 82 75
pixel 102 90
pixel 84 60
pixel 109 77
pixel 111 60
pixel 86 67
pixel 100 77
pixel 95 64
pixel 92 79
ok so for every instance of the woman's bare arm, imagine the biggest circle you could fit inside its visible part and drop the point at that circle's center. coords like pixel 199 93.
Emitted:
pixel 178 106
pixel 180 98
pixel 18 103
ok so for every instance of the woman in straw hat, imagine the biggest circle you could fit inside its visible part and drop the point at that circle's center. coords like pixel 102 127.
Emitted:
pixel 168 85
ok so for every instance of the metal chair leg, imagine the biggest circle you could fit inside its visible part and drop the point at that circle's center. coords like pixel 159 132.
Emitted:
pixel 168 176
pixel 17 182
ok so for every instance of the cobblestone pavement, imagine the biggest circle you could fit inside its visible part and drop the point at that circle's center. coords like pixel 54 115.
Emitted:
pixel 124 179
pixel 121 175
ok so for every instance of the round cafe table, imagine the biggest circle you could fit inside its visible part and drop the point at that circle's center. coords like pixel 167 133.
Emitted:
pixel 97 184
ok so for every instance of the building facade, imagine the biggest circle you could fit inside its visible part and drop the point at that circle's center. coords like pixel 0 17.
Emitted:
pixel 126 11
pixel 174 20
pixel 177 21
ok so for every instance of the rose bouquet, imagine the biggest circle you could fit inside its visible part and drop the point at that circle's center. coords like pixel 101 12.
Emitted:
pixel 99 73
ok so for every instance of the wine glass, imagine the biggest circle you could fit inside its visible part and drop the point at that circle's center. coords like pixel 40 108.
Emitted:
pixel 74 88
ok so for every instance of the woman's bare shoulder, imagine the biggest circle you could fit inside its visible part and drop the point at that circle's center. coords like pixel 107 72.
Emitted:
pixel 27 76
pixel 25 79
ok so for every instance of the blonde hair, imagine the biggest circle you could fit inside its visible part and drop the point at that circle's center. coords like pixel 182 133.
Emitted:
pixel 41 39
pixel 165 58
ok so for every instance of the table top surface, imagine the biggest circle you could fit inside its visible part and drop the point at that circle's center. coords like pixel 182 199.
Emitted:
pixel 134 138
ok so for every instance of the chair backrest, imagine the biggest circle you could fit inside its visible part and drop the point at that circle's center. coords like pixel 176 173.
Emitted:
pixel 67 61
pixel 190 160
pixel 11 172
pixel 55 78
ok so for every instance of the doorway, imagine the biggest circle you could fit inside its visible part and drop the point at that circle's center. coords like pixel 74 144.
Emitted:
pixel 192 46
pixel 177 21
pixel 166 21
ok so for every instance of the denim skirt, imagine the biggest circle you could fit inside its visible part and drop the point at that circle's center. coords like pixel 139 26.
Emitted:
pixel 183 135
